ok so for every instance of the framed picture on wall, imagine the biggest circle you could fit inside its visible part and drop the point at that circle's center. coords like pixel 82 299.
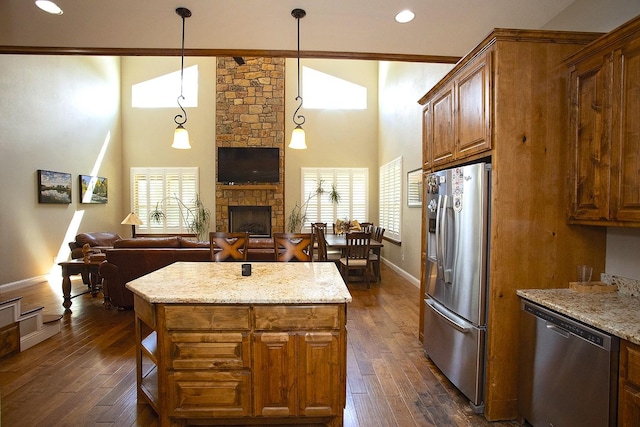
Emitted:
pixel 414 188
pixel 93 189
pixel 54 187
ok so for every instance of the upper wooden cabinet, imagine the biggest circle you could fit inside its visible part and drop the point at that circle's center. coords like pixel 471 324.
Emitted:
pixel 605 130
pixel 456 118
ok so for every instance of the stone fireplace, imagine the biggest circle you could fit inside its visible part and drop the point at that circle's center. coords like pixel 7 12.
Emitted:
pixel 254 219
pixel 250 113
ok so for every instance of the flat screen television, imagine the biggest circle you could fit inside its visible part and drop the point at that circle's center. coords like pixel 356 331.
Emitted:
pixel 244 165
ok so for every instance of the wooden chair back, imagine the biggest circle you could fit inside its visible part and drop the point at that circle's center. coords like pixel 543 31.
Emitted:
pixel 293 246
pixel 358 244
pixel 321 244
pixel 228 246
pixel 366 227
pixel 377 233
pixel 316 225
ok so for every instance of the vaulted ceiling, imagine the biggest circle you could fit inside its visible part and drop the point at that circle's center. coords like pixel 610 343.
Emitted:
pixel 440 28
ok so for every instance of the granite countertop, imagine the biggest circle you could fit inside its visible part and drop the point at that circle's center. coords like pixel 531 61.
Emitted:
pixel 223 283
pixel 617 313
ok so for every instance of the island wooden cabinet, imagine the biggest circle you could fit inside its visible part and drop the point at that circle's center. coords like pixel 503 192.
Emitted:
pixel 605 130
pixel 217 363
pixel 456 119
pixel 506 103
pixel 629 385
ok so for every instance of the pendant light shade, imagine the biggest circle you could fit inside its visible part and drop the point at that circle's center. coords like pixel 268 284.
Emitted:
pixel 298 140
pixel 181 136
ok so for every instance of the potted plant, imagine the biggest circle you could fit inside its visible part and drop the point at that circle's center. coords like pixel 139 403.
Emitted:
pixel 197 217
pixel 298 214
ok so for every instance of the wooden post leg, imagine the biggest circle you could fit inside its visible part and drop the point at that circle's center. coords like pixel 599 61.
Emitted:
pixel 66 288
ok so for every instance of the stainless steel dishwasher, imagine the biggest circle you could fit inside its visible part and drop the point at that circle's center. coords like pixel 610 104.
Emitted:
pixel 568 371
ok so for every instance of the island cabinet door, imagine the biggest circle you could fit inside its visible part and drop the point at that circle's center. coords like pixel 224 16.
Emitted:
pixel 319 373
pixel 274 374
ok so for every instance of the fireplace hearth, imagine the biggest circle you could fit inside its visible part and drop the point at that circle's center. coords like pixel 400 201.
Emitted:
pixel 254 219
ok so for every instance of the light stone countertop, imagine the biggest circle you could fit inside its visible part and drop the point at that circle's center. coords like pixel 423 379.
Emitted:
pixel 223 283
pixel 616 313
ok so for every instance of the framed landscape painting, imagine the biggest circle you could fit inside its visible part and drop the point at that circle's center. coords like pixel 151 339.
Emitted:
pixel 93 189
pixel 54 187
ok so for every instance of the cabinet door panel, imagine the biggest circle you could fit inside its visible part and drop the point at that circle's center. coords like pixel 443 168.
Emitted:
pixel 626 134
pixel 473 114
pixel 319 373
pixel 427 136
pixel 443 144
pixel 592 147
pixel 274 374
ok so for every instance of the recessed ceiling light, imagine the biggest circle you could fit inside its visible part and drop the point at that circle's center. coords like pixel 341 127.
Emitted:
pixel 49 7
pixel 405 16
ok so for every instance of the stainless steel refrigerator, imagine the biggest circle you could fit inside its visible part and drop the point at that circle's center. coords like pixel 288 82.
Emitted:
pixel 455 320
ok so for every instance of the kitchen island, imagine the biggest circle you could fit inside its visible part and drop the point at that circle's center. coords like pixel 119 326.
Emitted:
pixel 218 348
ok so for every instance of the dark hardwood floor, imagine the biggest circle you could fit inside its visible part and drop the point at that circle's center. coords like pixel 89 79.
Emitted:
pixel 85 375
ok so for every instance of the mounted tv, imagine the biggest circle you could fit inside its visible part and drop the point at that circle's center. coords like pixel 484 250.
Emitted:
pixel 245 165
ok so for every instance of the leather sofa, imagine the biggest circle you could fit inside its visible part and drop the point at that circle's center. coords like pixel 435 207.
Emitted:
pixel 133 258
pixel 103 239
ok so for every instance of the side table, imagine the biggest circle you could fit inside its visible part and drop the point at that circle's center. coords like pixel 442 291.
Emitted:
pixel 78 266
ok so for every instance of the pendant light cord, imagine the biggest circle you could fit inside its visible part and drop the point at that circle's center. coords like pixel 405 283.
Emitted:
pixel 180 116
pixel 298 13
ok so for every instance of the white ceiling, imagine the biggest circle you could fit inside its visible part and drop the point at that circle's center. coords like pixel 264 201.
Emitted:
pixel 441 27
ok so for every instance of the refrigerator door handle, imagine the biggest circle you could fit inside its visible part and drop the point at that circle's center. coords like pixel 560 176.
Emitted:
pixel 458 326
pixel 447 273
pixel 439 249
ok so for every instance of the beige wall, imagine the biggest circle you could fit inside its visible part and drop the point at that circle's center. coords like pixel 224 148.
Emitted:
pixel 335 138
pixel 400 134
pixel 59 113
pixel 147 133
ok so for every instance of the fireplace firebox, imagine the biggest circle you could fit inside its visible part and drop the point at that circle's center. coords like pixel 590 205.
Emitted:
pixel 254 219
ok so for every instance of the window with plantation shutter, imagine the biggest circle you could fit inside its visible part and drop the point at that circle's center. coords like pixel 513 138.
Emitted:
pixel 163 189
pixel 352 184
pixel 391 198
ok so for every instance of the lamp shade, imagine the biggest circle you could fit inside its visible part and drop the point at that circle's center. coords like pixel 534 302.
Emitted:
pixel 181 139
pixel 298 140
pixel 132 219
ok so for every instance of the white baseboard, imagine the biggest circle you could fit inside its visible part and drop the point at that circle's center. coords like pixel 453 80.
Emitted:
pixel 20 284
pixel 413 280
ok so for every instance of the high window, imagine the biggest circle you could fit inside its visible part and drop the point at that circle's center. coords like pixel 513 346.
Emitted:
pixel 163 189
pixel 163 91
pixel 324 91
pixel 391 198
pixel 352 184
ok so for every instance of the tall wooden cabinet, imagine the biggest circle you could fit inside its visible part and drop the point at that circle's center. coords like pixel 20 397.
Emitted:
pixel 507 102
pixel 605 130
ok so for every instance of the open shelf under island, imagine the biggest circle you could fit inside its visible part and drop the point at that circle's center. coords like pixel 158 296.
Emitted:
pixel 219 348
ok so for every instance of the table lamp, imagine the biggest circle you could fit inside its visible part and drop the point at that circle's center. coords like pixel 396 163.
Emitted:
pixel 133 220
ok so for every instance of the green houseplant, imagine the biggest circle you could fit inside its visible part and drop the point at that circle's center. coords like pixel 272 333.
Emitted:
pixel 298 214
pixel 196 217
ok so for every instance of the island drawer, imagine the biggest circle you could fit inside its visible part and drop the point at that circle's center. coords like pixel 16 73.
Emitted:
pixel 210 394
pixel 197 350
pixel 206 317
pixel 323 316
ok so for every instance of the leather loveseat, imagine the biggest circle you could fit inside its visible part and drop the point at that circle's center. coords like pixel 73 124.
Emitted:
pixel 102 239
pixel 133 258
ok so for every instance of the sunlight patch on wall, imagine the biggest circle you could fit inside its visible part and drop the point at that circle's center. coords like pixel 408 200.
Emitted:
pixel 163 91
pixel 324 91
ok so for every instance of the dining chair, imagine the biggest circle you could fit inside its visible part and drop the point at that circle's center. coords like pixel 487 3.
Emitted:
pixel 316 225
pixel 322 253
pixel 374 255
pixel 228 246
pixel 293 246
pixel 356 255
pixel 366 227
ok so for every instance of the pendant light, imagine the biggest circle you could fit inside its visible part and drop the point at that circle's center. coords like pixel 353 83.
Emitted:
pixel 181 136
pixel 297 137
